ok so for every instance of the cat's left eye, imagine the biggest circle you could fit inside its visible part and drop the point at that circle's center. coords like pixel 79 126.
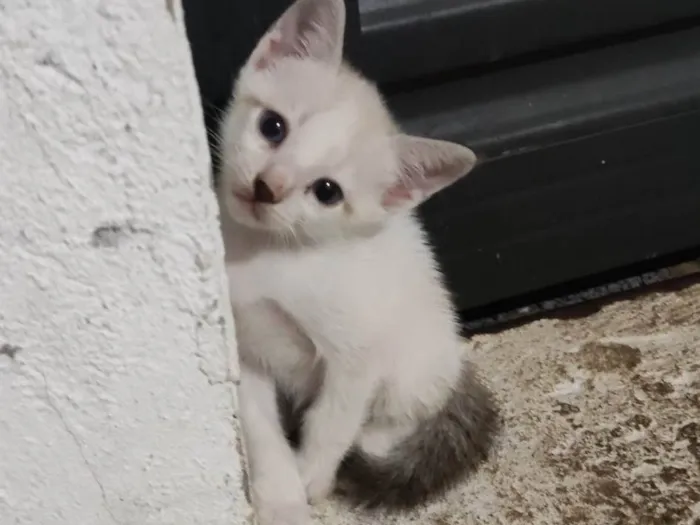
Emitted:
pixel 327 192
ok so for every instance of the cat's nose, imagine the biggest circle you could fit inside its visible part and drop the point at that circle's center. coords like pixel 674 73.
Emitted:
pixel 271 186
pixel 262 192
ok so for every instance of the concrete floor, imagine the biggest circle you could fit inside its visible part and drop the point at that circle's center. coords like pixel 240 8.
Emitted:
pixel 603 421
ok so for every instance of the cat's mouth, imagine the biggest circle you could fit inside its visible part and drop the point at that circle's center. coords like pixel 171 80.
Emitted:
pixel 250 205
pixel 246 197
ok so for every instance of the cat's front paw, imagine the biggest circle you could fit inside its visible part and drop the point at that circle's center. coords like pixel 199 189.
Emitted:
pixel 269 513
pixel 318 480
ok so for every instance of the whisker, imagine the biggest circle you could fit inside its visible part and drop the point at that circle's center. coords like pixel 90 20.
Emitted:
pixel 217 111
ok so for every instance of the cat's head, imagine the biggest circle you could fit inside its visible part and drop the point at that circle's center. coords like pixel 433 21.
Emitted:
pixel 308 147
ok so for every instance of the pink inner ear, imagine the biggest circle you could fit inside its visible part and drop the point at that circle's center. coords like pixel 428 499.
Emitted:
pixel 395 195
pixel 275 48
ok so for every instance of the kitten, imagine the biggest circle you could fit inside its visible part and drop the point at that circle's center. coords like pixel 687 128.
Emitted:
pixel 340 310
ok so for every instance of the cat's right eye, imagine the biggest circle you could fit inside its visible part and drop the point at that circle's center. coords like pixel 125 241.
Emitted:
pixel 272 127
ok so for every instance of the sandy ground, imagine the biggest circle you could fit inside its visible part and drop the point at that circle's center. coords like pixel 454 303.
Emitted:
pixel 602 419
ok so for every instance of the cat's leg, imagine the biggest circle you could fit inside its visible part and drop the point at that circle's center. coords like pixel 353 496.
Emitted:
pixel 331 426
pixel 276 488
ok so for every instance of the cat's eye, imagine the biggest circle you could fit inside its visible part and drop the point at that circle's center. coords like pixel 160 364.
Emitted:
pixel 327 192
pixel 272 127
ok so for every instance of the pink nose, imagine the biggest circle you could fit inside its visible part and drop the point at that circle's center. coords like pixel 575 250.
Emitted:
pixel 269 187
pixel 262 192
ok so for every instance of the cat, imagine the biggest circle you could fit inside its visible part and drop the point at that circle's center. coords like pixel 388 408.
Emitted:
pixel 352 366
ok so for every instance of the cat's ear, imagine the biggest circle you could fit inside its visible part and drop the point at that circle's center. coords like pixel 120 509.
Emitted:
pixel 425 167
pixel 307 29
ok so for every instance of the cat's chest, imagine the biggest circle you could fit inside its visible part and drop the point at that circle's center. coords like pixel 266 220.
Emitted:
pixel 273 276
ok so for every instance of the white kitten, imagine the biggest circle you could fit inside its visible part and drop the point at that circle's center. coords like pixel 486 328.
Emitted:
pixel 337 299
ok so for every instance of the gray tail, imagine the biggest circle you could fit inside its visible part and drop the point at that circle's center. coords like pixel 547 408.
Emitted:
pixel 444 450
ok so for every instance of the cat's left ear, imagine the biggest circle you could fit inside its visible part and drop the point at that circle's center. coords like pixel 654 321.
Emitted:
pixel 310 29
pixel 425 167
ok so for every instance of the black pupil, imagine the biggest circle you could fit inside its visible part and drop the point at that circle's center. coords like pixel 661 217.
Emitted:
pixel 327 192
pixel 273 127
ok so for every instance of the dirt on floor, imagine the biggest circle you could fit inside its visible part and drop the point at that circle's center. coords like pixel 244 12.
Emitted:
pixel 602 412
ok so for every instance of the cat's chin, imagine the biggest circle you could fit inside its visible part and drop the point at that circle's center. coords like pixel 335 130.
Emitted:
pixel 284 234
pixel 251 222
pixel 245 214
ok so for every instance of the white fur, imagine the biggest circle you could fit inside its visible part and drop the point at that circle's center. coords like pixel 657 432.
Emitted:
pixel 348 296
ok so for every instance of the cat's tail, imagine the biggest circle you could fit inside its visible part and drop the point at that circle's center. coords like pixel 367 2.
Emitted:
pixel 442 451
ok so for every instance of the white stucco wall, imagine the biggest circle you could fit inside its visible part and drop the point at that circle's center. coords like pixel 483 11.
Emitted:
pixel 115 334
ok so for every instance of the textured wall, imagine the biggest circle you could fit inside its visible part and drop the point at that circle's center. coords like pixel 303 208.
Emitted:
pixel 115 335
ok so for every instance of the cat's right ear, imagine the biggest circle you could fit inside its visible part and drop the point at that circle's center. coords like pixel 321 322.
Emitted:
pixel 310 29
